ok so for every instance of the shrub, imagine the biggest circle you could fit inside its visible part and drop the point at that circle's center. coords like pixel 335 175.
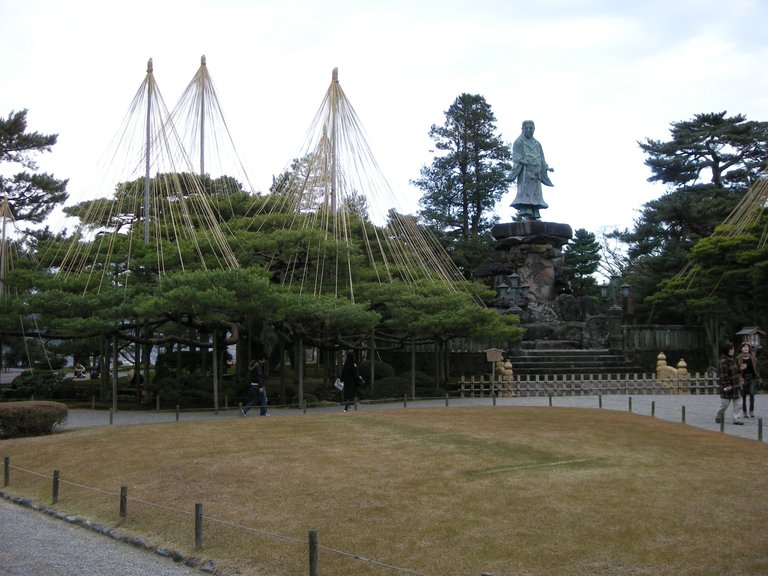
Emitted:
pixel 186 390
pixel 325 393
pixel 51 363
pixel 430 392
pixel 311 400
pixel 390 387
pixel 30 418
pixel 381 370
pixel 40 384
pixel 423 380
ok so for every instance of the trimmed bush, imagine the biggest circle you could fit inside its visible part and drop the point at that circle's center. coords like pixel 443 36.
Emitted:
pixel 38 383
pixel 311 400
pixel 423 380
pixel 382 370
pixel 30 418
pixel 391 387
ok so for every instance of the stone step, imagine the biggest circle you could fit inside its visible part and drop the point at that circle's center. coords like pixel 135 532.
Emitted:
pixel 574 370
pixel 570 361
pixel 538 352
pixel 570 357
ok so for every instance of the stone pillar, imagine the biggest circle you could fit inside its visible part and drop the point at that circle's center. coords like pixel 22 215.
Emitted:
pixel 615 336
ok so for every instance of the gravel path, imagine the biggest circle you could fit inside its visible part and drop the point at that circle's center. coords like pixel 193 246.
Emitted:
pixel 34 544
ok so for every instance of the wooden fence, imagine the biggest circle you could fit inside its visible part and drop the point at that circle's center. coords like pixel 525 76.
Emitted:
pixel 586 385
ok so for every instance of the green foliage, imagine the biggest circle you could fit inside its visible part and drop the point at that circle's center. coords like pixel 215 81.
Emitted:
pixel 437 311
pixel 725 286
pixel 19 419
pixel 423 379
pixel 210 296
pixel 64 309
pixel 381 369
pixel 397 387
pixel 166 363
pixel 40 384
pixel 470 253
pixel 582 258
pixel 31 196
pixel 123 291
pixel 324 319
pixel 462 186
pixel 311 401
pixel 187 388
pixel 731 150
pixel 124 208
pixel 707 165
pixel 391 387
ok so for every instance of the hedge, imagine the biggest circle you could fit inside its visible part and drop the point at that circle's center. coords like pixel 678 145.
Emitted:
pixel 30 418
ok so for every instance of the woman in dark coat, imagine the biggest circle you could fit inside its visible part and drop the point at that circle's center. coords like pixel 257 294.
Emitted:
pixel 351 378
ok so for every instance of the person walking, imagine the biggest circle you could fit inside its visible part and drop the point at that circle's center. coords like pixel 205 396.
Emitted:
pixel 751 378
pixel 351 378
pixel 258 388
pixel 729 378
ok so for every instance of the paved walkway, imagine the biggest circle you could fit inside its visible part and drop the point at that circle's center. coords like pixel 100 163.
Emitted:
pixel 32 543
pixel 698 410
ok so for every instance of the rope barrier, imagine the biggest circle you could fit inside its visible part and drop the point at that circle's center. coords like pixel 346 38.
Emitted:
pixel 230 524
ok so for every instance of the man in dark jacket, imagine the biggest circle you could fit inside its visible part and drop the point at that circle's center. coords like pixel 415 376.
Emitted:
pixel 730 384
pixel 257 388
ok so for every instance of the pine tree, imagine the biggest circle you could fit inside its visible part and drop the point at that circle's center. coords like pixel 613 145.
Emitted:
pixel 707 166
pixel 31 196
pixel 462 186
pixel 582 258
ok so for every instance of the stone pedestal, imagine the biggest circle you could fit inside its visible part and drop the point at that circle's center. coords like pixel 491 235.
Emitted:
pixel 533 251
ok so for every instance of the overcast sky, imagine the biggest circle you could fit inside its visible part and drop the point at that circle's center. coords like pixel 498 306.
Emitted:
pixel 596 76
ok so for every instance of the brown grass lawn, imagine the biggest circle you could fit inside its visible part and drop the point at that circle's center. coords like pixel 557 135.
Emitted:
pixel 512 491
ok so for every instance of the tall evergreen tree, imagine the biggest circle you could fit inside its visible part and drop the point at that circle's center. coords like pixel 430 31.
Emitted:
pixel 31 196
pixel 463 184
pixel 582 258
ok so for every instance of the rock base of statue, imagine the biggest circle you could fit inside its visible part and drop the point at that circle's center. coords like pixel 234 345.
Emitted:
pixel 526 269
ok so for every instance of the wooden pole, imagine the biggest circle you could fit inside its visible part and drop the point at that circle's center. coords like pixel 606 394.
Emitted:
pixel 149 148
pixel 55 495
pixel 198 526
pixel 313 553
pixel 201 91
pixel 123 501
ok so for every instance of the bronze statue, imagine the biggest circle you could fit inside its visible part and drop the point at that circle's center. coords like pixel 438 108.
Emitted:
pixel 530 171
